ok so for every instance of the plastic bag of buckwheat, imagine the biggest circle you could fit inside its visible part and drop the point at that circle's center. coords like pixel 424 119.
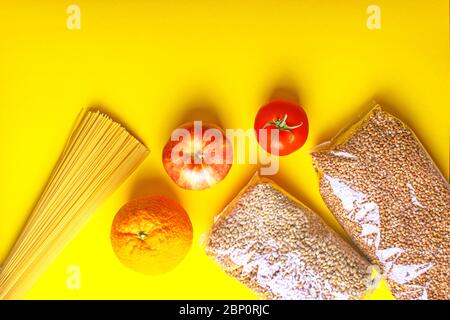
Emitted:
pixel 389 196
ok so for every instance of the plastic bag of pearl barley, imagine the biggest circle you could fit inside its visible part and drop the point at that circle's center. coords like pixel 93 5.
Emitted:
pixel 389 196
pixel 280 249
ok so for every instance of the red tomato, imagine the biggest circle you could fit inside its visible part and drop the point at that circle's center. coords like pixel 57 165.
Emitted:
pixel 281 127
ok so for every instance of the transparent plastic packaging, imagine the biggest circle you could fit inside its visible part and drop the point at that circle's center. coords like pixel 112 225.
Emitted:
pixel 389 196
pixel 280 249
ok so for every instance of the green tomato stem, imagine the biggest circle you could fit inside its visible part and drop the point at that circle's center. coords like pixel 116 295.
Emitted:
pixel 281 124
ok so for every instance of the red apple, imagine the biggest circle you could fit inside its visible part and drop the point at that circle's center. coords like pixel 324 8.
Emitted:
pixel 198 155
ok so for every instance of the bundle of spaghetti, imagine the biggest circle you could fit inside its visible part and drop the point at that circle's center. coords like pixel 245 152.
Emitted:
pixel 99 155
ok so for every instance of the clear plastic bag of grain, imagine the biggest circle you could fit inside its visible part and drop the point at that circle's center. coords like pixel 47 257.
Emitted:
pixel 389 196
pixel 280 249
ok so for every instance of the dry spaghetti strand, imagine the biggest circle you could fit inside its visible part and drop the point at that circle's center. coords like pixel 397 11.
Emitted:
pixel 99 155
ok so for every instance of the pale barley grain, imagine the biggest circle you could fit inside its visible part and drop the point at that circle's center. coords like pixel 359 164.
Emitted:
pixel 283 250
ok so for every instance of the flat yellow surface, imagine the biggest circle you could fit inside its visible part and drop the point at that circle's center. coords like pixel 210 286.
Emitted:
pixel 156 64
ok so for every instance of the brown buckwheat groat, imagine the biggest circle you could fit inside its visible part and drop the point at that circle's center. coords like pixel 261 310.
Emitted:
pixel 387 193
pixel 282 250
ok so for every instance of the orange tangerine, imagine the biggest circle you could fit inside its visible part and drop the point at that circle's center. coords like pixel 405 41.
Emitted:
pixel 152 234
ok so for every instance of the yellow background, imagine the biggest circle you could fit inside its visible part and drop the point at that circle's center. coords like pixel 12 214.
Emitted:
pixel 156 64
